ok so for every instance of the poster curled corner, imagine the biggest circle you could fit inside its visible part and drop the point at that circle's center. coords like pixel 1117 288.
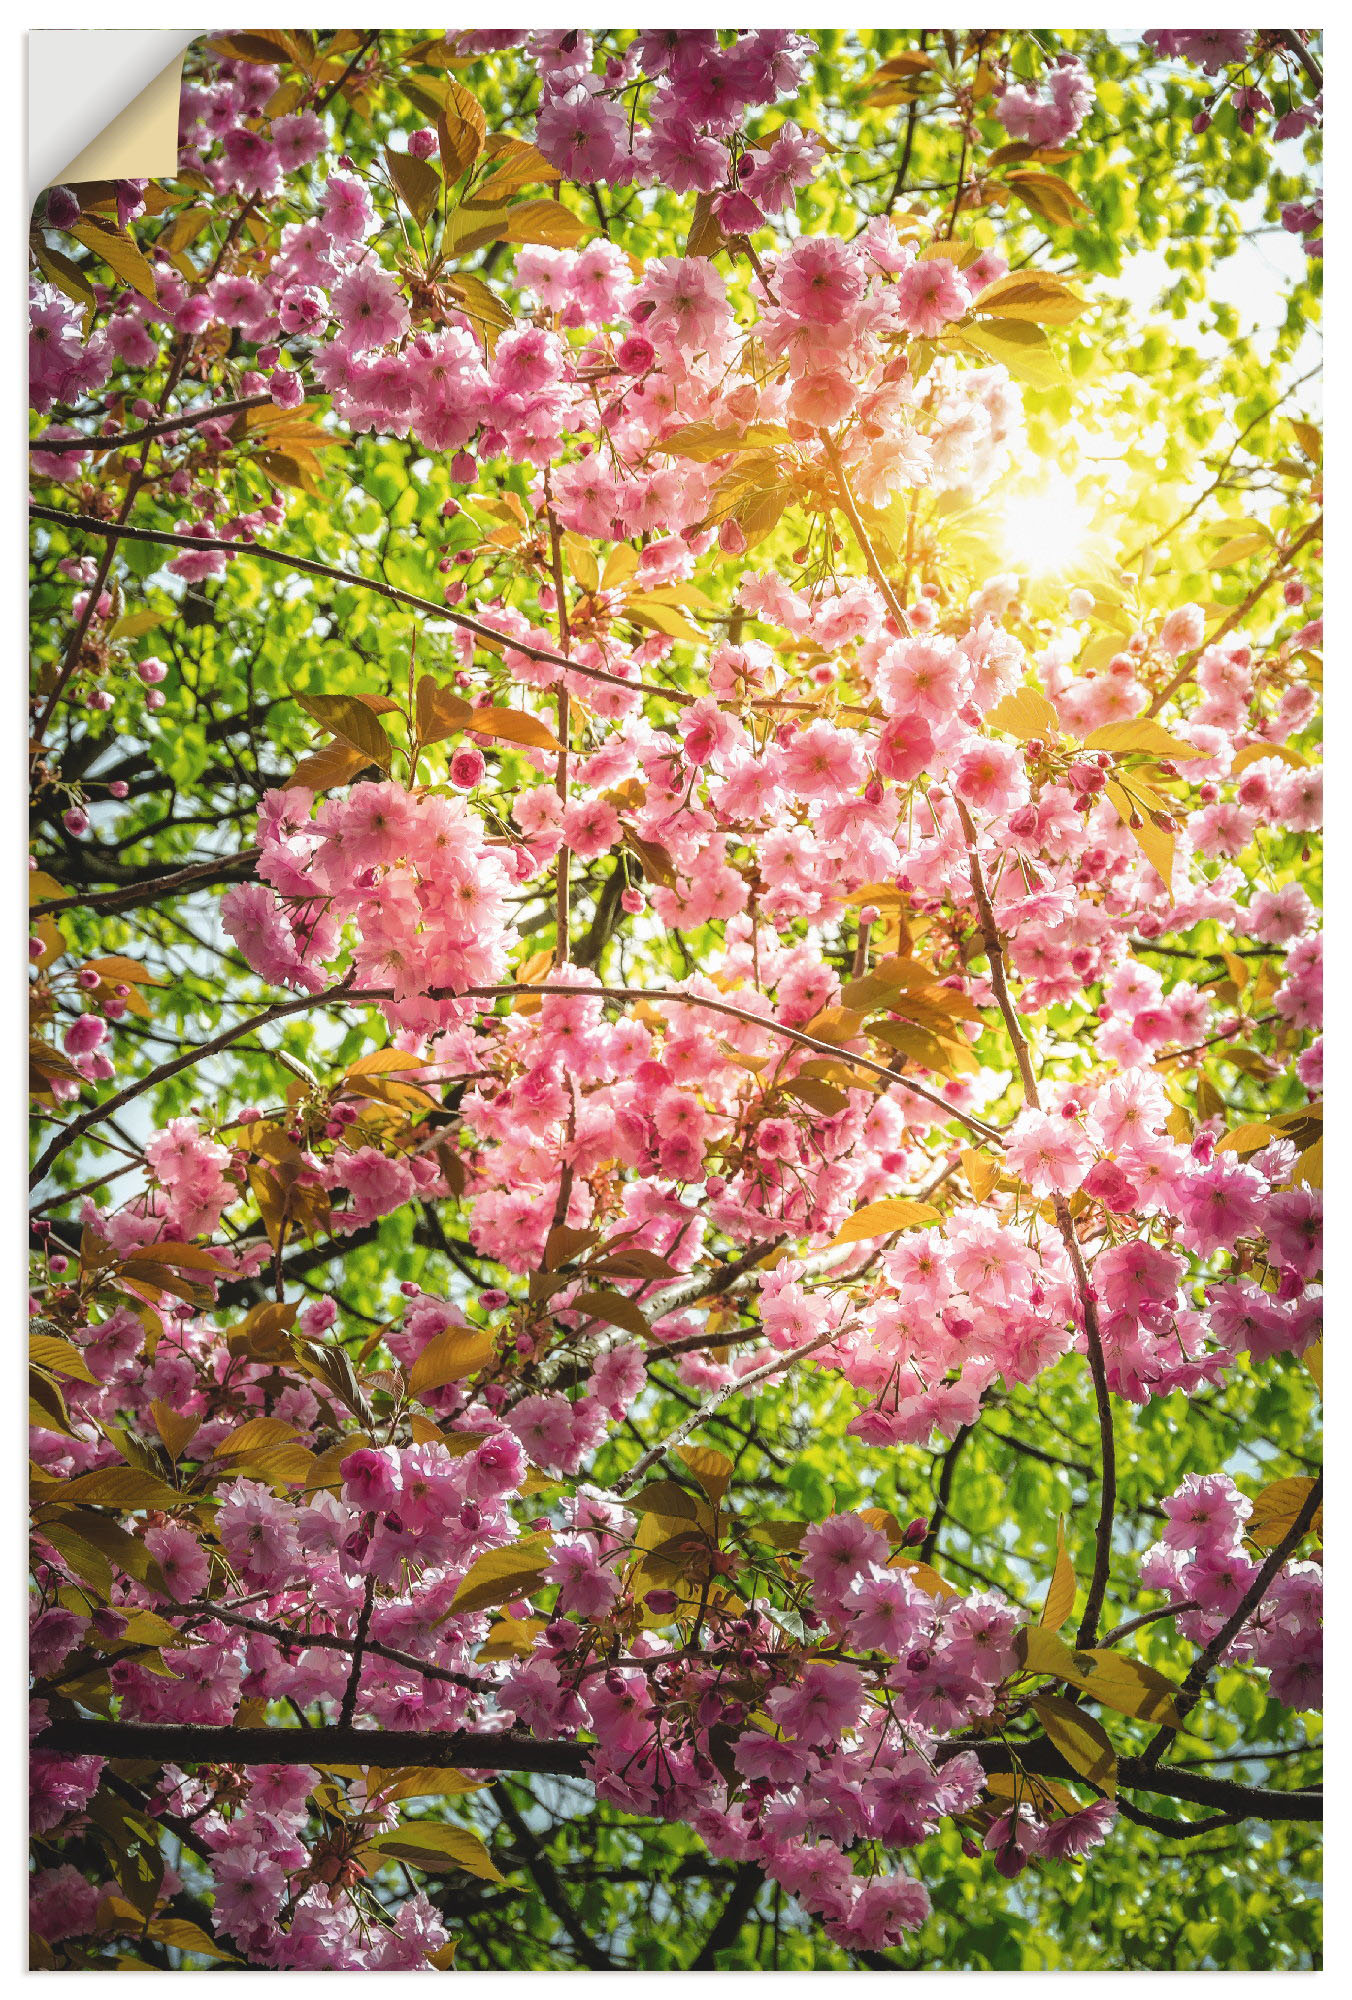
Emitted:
pixel 103 104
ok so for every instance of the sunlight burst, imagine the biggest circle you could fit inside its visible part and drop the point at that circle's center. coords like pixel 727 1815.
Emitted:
pixel 1045 527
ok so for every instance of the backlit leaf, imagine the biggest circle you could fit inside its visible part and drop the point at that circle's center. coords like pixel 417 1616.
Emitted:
pixel 1060 1599
pixel 435 1848
pixel 504 1574
pixel 449 1357
pixel 1084 1743
pixel 343 715
pixel 884 1218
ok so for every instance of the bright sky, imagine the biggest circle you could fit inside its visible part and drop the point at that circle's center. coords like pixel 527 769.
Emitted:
pixel 1254 280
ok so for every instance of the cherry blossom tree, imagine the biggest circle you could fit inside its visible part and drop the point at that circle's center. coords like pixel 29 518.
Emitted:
pixel 676 1010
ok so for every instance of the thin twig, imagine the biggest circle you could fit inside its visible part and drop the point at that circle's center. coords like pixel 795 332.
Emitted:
pixel 306 566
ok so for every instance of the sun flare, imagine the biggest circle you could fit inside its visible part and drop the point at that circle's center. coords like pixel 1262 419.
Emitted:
pixel 1045 527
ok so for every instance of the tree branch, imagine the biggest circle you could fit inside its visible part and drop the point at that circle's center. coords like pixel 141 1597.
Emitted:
pixel 1198 1674
pixel 495 640
pixel 746 1886
pixel 1065 1223
pixel 545 1877
pixel 487 1750
pixel 342 994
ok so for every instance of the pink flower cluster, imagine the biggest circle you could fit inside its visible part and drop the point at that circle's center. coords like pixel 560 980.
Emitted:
pixel 413 874
pixel 1202 1563
pixel 698 93
pixel 1050 116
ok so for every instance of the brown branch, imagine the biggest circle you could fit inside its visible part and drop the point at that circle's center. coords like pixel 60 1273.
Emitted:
pixel 545 1877
pixel 1199 1673
pixel 173 1743
pixel 335 1642
pixel 68 1134
pixel 135 897
pixel 306 566
pixel 77 1127
pixel 161 428
pixel 116 531
pixel 1065 1223
pixel 711 1403
pixel 359 1647
pixel 943 1492
pixel 747 1884
pixel 1290 40
pixel 1237 616
pixel 370 39
pixel 190 1744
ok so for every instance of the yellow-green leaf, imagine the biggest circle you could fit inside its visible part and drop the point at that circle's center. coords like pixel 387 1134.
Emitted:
pixel 1084 1743
pixel 1239 550
pixel 1026 713
pixel 712 1469
pixel 502 1574
pixel 60 1357
pixel 435 1848
pixel 1127 1685
pixel 883 1218
pixel 515 164
pixel 120 254
pixel 1040 1651
pixel 1276 1509
pixel 343 715
pixel 1151 737
pixel 450 1356
pixel 1031 295
pixel 418 182
pixel 513 725
pixel 1060 1599
pixel 118 1486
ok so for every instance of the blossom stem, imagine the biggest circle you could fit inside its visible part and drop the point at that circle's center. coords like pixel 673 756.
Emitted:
pixel 861 533
pixel 562 865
